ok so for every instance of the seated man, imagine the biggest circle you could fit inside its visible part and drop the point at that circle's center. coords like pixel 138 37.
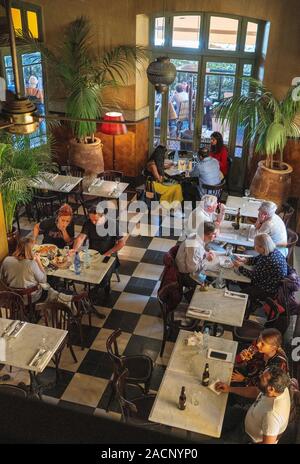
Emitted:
pixel 207 170
pixel 106 244
pixel 268 222
pixel 206 211
pixel 268 417
pixel 192 253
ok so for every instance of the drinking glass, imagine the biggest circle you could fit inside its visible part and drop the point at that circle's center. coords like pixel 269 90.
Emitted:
pixel 117 181
pixel 66 251
pixel 229 250
pixel 247 193
pixel 195 398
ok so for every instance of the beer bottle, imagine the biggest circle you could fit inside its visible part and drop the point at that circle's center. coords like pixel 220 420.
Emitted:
pixel 205 376
pixel 238 218
pixel 182 399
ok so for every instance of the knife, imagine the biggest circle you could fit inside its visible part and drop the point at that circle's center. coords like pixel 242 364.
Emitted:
pixel 7 328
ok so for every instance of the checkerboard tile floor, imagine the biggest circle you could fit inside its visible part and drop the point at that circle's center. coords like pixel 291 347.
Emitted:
pixel 131 306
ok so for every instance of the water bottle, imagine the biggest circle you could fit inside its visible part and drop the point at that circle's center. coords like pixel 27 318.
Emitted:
pixel 205 340
pixel 77 266
pixel 86 256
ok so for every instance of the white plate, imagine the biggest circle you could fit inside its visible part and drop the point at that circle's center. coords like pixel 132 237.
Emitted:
pixel 226 262
pixel 42 249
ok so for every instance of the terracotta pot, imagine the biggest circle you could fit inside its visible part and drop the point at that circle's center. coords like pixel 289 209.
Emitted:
pixel 272 184
pixel 88 156
pixel 12 240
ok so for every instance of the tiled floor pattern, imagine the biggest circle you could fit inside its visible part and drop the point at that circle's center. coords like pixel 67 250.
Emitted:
pixel 131 306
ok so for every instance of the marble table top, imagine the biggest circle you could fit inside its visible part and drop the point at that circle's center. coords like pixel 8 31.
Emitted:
pixel 185 368
pixel 236 237
pixel 249 206
pixel 93 275
pixel 106 189
pixel 19 351
pixel 213 269
pixel 57 183
pixel 222 309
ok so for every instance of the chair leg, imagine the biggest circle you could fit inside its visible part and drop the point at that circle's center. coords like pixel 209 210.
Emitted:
pixel 118 275
pixel 163 344
pixel 111 396
pixel 73 353
pixel 147 386
pixel 81 335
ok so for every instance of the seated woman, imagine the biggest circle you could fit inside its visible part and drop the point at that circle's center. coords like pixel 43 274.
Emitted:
pixel 219 151
pixel 58 231
pixel 264 352
pixel 24 269
pixel 155 168
pixel 270 267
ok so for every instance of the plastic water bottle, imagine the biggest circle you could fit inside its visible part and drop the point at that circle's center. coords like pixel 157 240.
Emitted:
pixel 205 340
pixel 86 256
pixel 77 265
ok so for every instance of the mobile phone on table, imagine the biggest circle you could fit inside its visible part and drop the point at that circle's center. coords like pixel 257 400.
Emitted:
pixel 106 259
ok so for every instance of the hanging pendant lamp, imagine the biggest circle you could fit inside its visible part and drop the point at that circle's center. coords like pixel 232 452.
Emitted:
pixel 161 73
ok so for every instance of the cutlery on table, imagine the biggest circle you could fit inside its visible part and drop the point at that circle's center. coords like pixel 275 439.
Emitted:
pixel 17 329
pixel 8 328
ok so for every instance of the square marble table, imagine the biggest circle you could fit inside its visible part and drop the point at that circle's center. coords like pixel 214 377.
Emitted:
pixel 237 237
pixel 19 352
pixel 57 183
pixel 249 206
pixel 185 368
pixel 106 189
pixel 223 309
pixel 92 275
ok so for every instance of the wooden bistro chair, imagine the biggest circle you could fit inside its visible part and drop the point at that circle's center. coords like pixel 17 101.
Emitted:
pixel 29 305
pixel 77 192
pixel 139 366
pixel 292 242
pixel 216 190
pixel 137 410
pixel 12 306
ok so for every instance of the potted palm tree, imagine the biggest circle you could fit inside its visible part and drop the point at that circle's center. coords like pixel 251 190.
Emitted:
pixel 84 76
pixel 269 123
pixel 20 165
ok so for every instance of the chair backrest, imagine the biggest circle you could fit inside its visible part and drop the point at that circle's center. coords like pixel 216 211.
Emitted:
pixel 129 409
pixel 56 315
pixel 286 212
pixel 13 390
pixel 215 190
pixel 72 170
pixel 45 206
pixel 11 306
pixel 111 175
pixel 292 242
pixel 113 351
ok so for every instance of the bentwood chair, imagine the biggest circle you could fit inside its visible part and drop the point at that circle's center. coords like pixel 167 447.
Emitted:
pixel 58 316
pixel 139 367
pixel 286 212
pixel 13 390
pixel 137 410
pixel 29 305
pixel 11 306
pixel 292 242
pixel 215 190
pixel 77 192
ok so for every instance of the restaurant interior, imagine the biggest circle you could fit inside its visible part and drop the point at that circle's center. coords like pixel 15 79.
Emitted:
pixel 136 292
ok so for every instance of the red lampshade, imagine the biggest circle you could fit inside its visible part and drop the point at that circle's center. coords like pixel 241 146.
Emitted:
pixel 113 129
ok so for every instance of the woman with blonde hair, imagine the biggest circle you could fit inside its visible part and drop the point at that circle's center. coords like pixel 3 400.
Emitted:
pixel 57 230
pixel 24 268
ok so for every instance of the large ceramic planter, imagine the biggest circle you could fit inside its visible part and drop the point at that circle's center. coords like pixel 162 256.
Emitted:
pixel 12 240
pixel 88 156
pixel 272 184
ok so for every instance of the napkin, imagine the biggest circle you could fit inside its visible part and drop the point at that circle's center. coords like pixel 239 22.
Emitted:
pixel 195 339
pixel 212 387
pixel 200 312
pixel 39 355
pixel 230 294
pixel 255 202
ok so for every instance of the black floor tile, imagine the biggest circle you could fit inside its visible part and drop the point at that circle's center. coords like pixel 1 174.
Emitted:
pixel 157 375
pixel 97 364
pixel 76 407
pixel 140 286
pixel 142 345
pixel 127 267
pixel 153 257
pixel 89 335
pixel 152 308
pixel 139 241
pixel 108 301
pixel 48 377
pixel 121 320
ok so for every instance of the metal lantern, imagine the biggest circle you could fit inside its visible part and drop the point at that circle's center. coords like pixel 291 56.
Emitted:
pixel 161 73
